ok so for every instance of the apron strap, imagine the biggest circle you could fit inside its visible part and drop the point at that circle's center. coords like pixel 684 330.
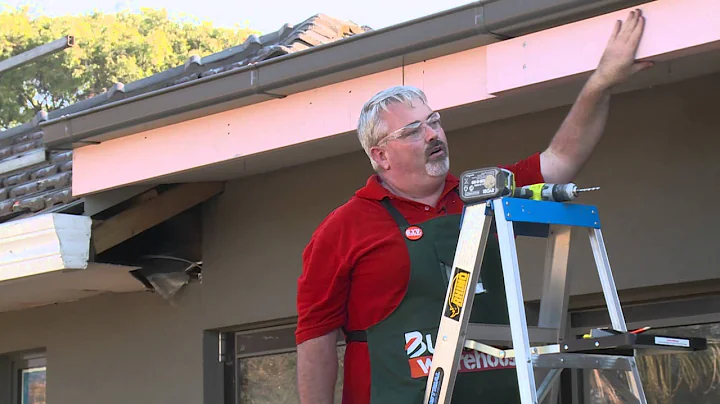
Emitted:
pixel 399 218
pixel 361 335
pixel 355 336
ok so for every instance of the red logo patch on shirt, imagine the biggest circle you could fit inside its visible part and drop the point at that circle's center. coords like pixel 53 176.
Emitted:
pixel 413 233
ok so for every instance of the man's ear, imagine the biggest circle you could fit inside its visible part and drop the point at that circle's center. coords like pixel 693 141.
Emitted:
pixel 379 155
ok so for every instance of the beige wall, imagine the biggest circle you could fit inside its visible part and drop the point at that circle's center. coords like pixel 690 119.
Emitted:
pixel 255 232
pixel 132 348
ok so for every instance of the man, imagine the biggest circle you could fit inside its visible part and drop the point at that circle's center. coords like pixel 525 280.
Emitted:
pixel 367 275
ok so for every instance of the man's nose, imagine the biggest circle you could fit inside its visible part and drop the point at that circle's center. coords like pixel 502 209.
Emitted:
pixel 430 133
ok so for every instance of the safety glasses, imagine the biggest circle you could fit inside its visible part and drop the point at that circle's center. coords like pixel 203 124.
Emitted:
pixel 413 131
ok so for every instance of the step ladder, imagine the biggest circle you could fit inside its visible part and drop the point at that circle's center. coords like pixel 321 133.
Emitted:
pixel 489 194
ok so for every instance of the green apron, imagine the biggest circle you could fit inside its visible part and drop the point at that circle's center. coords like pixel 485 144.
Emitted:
pixel 401 345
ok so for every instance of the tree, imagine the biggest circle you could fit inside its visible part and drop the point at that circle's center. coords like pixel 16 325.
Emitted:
pixel 109 48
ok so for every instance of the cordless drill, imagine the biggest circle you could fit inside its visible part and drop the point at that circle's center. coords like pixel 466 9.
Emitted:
pixel 550 192
pixel 494 182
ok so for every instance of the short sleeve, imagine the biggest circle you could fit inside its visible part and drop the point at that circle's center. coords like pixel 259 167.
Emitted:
pixel 322 288
pixel 527 171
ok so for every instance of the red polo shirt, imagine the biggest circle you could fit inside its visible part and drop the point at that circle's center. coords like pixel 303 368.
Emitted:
pixel 346 279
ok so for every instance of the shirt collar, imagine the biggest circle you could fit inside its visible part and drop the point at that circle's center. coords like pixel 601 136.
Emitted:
pixel 374 190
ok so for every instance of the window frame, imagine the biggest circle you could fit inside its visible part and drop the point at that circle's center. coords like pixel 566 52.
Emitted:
pixel 20 361
pixel 281 337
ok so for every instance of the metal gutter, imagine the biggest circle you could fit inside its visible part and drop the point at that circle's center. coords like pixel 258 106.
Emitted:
pixel 475 24
pixel 45 259
pixel 44 243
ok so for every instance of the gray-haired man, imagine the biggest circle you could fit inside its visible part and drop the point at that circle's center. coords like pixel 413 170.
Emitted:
pixel 375 267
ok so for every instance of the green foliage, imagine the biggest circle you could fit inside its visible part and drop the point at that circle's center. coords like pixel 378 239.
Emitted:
pixel 109 48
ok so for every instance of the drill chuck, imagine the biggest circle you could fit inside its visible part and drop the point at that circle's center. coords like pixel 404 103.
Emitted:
pixel 560 192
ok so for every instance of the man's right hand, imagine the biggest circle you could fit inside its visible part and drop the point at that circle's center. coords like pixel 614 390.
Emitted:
pixel 317 368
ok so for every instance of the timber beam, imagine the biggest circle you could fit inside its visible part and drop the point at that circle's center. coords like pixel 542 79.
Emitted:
pixel 150 212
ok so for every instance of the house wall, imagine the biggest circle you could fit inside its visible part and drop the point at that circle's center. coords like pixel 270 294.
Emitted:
pixel 656 163
pixel 114 349
pixel 657 166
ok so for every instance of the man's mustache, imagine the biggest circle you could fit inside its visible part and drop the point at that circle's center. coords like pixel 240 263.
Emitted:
pixel 435 143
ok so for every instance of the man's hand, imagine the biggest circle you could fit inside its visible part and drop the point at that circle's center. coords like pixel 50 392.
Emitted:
pixel 581 130
pixel 618 62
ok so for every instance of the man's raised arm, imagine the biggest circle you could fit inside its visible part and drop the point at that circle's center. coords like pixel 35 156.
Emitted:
pixel 317 369
pixel 581 130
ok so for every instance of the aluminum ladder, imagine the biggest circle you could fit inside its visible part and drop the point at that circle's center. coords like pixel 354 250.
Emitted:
pixel 547 345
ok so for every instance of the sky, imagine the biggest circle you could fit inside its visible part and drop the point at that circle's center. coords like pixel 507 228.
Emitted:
pixel 264 16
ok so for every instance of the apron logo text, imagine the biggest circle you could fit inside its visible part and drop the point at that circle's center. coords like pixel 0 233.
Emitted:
pixel 420 350
pixel 470 361
pixel 414 345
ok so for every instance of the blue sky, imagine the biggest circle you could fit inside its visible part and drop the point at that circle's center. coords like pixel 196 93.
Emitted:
pixel 265 16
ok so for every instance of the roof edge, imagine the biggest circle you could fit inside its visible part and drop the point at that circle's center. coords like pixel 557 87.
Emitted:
pixel 475 24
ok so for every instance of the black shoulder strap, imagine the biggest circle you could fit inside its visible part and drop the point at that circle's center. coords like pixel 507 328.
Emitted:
pixel 399 218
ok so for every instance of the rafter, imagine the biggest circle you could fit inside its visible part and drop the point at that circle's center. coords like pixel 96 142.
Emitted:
pixel 151 212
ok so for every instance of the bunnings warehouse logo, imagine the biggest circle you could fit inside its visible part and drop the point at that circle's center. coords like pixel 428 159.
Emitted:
pixel 457 296
pixel 419 349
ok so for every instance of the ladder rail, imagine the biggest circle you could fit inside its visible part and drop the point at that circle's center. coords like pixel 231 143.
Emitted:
pixel 516 305
pixel 612 300
pixel 457 306
pixel 555 296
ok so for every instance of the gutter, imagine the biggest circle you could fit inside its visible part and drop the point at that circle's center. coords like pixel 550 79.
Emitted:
pixel 45 259
pixel 472 25
pixel 42 244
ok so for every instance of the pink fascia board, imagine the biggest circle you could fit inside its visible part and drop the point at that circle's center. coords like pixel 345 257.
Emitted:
pixel 310 115
pixel 573 49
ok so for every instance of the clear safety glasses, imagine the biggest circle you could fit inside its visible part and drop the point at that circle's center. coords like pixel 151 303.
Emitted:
pixel 413 131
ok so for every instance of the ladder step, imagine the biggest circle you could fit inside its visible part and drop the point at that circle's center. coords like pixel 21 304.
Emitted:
pixel 492 334
pixel 583 361
pixel 626 343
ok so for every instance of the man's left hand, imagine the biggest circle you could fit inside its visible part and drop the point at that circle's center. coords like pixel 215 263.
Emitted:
pixel 618 62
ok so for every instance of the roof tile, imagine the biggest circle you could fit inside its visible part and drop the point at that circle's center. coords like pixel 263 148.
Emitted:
pixel 43 186
pixel 45 172
pixel 16 179
pixel 6 207
pixel 24 189
pixel 6 152
pixel 23 147
pixel 28 137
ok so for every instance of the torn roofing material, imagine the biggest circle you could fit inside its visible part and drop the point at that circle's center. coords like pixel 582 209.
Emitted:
pixel 35 180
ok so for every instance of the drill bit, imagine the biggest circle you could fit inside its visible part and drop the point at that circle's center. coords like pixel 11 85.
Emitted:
pixel 587 189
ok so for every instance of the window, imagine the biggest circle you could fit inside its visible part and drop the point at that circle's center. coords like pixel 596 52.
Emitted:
pixel 667 377
pixel 265 359
pixel 271 379
pixel 28 378
pixel 266 366
pixel 692 377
